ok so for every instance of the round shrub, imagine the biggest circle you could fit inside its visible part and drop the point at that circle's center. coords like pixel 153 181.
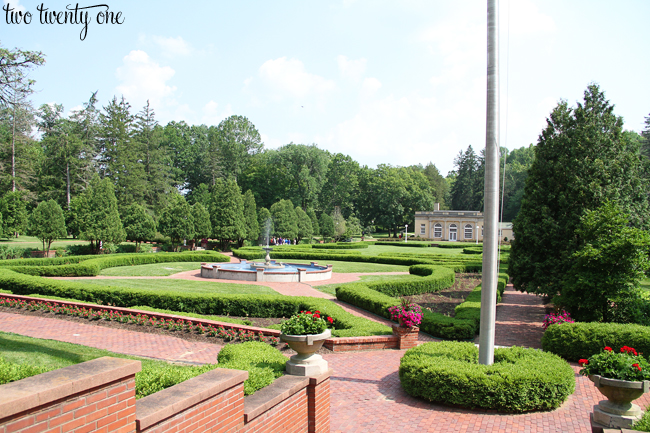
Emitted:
pixel 520 380
pixel 575 341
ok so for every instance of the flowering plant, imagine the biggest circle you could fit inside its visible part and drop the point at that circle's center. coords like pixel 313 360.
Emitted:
pixel 626 364
pixel 554 318
pixel 305 323
pixel 406 314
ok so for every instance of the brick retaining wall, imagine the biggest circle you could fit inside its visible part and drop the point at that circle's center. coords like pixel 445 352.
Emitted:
pixel 99 395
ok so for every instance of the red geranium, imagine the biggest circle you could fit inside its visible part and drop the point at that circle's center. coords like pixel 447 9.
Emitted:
pixel 627 349
pixel 583 362
pixel 609 349
pixel 637 366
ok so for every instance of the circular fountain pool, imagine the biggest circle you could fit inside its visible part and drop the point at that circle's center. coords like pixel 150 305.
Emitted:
pixel 272 271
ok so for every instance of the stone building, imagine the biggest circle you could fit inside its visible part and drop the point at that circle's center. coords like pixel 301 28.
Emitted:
pixel 455 225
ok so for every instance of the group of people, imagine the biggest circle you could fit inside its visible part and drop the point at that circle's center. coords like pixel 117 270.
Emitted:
pixel 282 241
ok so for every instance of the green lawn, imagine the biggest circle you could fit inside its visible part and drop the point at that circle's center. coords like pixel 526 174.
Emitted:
pixel 645 284
pixel 152 270
pixel 351 267
pixel 33 242
pixel 331 288
pixel 185 286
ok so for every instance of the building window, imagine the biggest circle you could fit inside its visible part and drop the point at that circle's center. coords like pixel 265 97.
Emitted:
pixel 423 229
pixel 469 232
pixel 437 231
pixel 453 232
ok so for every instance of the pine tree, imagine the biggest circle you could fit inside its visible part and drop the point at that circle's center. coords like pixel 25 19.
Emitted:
pixel 305 229
pixel 176 220
pixel 138 225
pixel 250 217
pixel 326 226
pixel 582 159
pixel 47 223
pixel 314 221
pixel 227 212
pixel 284 219
pixel 202 225
pixel 265 222
pixel 99 220
pixel 14 213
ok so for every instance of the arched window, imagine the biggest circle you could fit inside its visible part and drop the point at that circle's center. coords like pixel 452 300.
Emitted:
pixel 469 231
pixel 437 230
pixel 453 232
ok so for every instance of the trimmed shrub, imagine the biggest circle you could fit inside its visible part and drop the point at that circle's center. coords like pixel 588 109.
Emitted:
pixel 395 244
pixel 263 363
pixel 346 324
pixel 454 245
pixel 10 372
pixel 575 341
pixel 473 250
pixel 340 246
pixel 520 380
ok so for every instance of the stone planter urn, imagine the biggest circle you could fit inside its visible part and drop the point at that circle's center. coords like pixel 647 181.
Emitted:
pixel 618 410
pixel 306 362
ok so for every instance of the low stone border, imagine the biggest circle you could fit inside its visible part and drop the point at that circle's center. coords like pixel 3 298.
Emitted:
pixel 335 344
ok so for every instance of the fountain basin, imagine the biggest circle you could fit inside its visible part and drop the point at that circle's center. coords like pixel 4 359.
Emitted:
pixel 250 271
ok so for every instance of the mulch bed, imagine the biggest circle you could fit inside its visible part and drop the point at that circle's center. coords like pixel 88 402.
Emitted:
pixel 185 335
pixel 445 301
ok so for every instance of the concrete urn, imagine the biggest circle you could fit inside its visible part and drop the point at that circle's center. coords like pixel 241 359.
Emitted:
pixel 306 362
pixel 618 410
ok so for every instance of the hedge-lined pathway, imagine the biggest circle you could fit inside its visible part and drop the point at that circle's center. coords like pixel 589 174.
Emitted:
pixel 366 392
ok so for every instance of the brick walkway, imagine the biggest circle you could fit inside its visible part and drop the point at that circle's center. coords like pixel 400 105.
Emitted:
pixel 366 392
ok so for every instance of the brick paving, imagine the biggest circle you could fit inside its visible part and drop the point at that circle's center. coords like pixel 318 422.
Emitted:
pixel 366 391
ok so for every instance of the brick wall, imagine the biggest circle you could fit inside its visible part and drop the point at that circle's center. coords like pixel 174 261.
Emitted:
pixel 99 395
pixel 407 337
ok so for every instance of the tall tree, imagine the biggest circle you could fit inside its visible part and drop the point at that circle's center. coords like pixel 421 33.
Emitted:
pixel 139 226
pixel 121 157
pixel 285 222
pixel 582 159
pixel 250 217
pixel 265 222
pixel 305 229
pixel 341 185
pixel 438 183
pixel 314 221
pixel 202 224
pixel 99 220
pixel 326 226
pixel 157 164
pixel 47 223
pixel 176 220
pixel 14 73
pixel 466 192
pixel 339 223
pixel 227 212
pixel 238 141
pixel 13 207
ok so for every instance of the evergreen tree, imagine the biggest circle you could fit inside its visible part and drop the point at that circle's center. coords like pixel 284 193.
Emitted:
pixel 202 225
pixel 326 226
pixel 227 212
pixel 99 220
pixel 250 217
pixel 582 159
pixel 139 226
pixel 14 213
pixel 339 224
pixel 314 221
pixel 265 222
pixel 176 220
pixel 284 219
pixel 305 229
pixel 47 223
pixel 467 190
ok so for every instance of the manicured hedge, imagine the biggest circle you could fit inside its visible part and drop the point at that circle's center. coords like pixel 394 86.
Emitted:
pixel 520 380
pixel 263 363
pixel 348 256
pixel 575 341
pixel 406 244
pixel 463 326
pixel 92 265
pixel 473 250
pixel 346 324
pixel 456 245
pixel 343 246
pixel 54 261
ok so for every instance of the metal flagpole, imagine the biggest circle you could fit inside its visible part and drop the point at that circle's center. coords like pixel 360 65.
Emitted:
pixel 491 198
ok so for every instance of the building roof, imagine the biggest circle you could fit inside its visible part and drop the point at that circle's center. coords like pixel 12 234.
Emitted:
pixel 471 213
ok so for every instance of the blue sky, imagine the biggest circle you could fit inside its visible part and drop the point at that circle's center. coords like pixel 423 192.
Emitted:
pixel 397 82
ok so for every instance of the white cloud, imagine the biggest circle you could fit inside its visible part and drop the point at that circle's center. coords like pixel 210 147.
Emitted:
pixel 270 142
pixel 352 69
pixel 212 115
pixel 288 77
pixel 16 6
pixel 143 79
pixel 525 18
pixel 172 47
pixel 370 86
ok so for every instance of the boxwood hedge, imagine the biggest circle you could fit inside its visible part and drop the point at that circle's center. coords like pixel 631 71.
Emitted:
pixel 400 244
pixel 575 341
pixel 263 363
pixel 343 246
pixel 520 380
pixel 346 324
pixel 92 265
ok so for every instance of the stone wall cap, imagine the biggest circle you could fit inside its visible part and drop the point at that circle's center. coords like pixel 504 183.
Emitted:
pixel 266 398
pixel 169 402
pixel 39 390
pixel 315 380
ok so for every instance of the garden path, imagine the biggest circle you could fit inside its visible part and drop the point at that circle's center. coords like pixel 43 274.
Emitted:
pixel 366 392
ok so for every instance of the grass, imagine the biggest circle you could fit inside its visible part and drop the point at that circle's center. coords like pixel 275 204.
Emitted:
pixel 23 241
pixel 353 267
pixel 374 250
pixel 331 288
pixel 645 284
pixel 152 270
pixel 189 287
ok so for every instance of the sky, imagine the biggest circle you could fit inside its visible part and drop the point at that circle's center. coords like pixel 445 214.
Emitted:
pixel 386 82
